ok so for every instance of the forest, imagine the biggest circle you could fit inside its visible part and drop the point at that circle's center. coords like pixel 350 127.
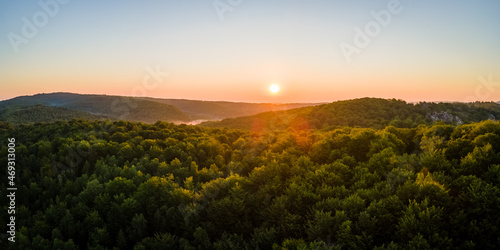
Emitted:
pixel 51 107
pixel 367 113
pixel 129 185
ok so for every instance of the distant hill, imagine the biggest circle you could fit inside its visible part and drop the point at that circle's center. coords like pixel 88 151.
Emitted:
pixel 113 107
pixel 42 113
pixel 217 110
pixel 139 109
pixel 364 112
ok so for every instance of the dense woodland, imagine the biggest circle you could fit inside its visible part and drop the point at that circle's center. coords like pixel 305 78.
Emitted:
pixel 41 113
pixel 65 106
pixel 125 185
pixel 68 106
pixel 366 112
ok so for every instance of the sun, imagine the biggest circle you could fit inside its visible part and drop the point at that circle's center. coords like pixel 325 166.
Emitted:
pixel 274 88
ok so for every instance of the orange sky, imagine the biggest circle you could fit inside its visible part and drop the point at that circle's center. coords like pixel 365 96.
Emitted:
pixel 428 51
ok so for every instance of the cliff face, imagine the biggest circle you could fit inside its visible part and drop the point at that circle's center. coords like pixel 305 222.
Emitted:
pixel 444 116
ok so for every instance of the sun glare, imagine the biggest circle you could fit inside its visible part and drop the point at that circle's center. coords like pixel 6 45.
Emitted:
pixel 275 88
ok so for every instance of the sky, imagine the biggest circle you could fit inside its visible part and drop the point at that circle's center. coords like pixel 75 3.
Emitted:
pixel 233 50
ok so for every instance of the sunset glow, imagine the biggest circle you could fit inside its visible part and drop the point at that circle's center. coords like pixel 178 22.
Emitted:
pixel 275 88
pixel 324 50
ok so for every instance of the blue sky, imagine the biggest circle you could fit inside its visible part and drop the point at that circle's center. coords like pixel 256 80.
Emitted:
pixel 432 50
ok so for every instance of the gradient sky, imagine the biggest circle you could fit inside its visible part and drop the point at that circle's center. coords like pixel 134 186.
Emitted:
pixel 432 51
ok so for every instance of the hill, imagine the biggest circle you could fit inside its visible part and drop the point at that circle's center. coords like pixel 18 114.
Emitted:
pixel 365 112
pixel 217 110
pixel 139 109
pixel 113 107
pixel 42 113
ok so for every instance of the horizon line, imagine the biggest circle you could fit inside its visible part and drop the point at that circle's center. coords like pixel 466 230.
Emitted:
pixel 247 102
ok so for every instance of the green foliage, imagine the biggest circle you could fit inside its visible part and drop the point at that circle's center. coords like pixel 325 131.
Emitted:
pixel 125 185
pixel 67 106
pixel 364 112
pixel 41 113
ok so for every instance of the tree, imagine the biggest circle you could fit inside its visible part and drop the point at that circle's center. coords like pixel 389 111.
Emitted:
pixel 138 228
